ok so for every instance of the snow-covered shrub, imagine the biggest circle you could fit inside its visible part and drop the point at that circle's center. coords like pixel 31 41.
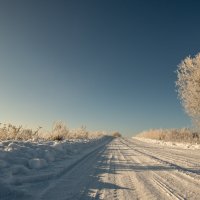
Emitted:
pixel 81 132
pixel 116 134
pixel 9 131
pixel 60 131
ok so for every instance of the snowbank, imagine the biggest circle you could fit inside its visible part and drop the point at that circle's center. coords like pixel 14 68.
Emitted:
pixel 31 161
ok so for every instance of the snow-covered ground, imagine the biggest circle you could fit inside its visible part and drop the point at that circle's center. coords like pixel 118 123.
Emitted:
pixel 123 169
pixel 24 164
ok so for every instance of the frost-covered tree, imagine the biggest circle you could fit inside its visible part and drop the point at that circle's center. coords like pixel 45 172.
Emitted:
pixel 188 84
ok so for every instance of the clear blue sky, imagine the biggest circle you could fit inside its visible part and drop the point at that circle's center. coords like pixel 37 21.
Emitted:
pixel 107 64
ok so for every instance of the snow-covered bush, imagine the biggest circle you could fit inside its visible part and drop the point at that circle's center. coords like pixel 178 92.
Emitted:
pixel 188 85
pixel 116 134
pixel 59 132
pixel 81 132
pixel 9 131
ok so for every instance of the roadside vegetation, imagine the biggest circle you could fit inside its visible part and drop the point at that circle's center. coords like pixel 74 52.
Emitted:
pixel 59 132
pixel 116 134
pixel 188 88
pixel 172 135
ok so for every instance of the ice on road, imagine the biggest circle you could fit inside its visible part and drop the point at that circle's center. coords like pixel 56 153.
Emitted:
pixel 122 169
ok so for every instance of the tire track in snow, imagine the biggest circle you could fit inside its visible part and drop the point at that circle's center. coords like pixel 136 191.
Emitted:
pixel 143 188
pixel 112 177
pixel 69 184
pixel 169 191
pixel 123 170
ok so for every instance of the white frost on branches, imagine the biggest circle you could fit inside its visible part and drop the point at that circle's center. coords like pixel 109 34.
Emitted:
pixel 188 85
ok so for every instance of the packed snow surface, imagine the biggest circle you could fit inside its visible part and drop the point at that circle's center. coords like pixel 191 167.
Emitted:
pixel 98 169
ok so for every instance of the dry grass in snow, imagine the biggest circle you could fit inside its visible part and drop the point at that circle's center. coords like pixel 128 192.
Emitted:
pixel 59 132
pixel 173 135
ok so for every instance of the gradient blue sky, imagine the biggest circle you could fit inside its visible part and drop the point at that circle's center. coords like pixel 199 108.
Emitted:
pixel 107 64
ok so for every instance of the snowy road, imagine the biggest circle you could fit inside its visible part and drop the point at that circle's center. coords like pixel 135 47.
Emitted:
pixel 130 169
